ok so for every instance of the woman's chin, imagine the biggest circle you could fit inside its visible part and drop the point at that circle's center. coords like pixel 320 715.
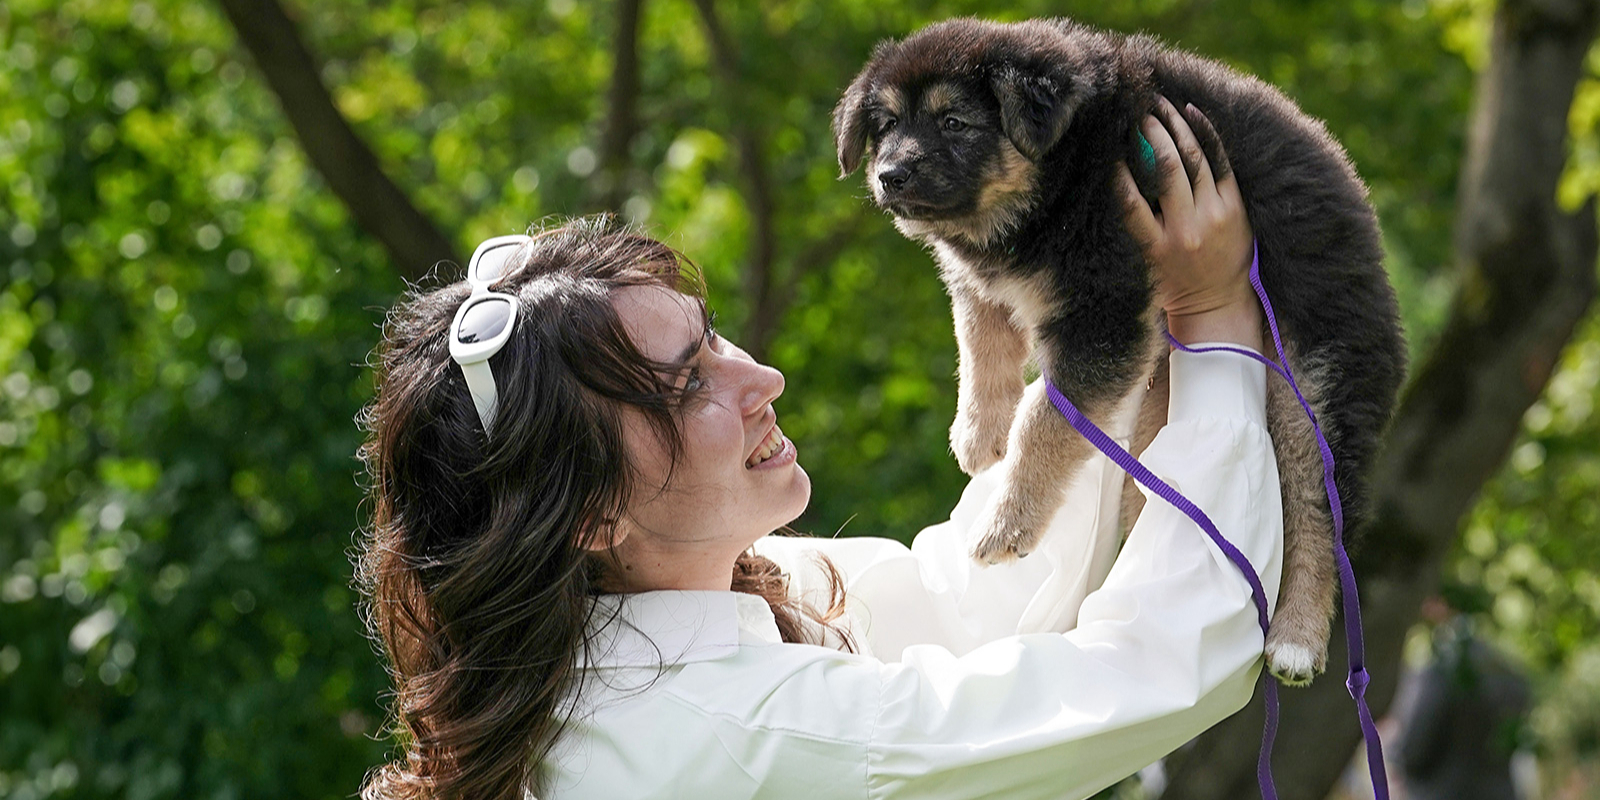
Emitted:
pixel 795 496
pixel 803 490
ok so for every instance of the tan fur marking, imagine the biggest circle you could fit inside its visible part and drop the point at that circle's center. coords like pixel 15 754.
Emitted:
pixel 1306 598
pixel 1004 199
pixel 989 382
pixel 938 98
pixel 1013 175
pixel 892 100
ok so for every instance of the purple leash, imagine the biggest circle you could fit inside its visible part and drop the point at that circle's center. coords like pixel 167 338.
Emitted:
pixel 1358 678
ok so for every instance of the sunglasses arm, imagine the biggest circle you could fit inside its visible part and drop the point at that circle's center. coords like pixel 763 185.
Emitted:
pixel 480 381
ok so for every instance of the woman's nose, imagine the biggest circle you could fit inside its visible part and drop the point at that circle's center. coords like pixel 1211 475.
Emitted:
pixel 763 386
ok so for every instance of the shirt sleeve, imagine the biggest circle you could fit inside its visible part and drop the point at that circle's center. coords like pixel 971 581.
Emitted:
pixel 933 593
pixel 1166 647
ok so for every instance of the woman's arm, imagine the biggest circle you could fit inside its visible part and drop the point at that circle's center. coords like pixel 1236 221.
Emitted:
pixel 1165 648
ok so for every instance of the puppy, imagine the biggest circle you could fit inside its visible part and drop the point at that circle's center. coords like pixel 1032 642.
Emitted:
pixel 996 146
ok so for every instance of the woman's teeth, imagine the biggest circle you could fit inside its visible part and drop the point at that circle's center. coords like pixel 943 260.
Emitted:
pixel 768 448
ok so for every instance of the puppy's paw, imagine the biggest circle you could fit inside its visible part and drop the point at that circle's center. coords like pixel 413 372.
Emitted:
pixel 1004 536
pixel 978 442
pixel 1294 664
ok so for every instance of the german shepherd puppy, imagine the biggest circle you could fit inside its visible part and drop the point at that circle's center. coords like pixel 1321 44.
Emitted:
pixel 996 145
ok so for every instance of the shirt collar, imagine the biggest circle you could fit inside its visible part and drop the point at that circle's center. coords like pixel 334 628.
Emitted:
pixel 655 629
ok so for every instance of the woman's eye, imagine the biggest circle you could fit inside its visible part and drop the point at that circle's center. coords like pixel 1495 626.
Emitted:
pixel 954 125
pixel 695 382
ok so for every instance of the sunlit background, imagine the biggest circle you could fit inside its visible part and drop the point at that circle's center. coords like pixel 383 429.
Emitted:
pixel 186 310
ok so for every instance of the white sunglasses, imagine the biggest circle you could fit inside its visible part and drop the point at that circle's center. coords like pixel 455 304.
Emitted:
pixel 483 323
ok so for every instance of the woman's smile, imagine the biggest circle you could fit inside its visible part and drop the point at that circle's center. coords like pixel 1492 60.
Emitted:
pixel 774 451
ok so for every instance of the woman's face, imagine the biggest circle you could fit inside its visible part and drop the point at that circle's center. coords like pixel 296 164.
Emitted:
pixel 737 480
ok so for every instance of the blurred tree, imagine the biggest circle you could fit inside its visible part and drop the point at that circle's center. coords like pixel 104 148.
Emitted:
pixel 382 209
pixel 1527 279
pixel 187 296
pixel 181 312
pixel 622 109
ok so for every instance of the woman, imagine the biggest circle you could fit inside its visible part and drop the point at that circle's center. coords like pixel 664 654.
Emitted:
pixel 573 478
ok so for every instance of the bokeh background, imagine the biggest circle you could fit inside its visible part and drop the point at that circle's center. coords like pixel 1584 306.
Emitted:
pixel 191 284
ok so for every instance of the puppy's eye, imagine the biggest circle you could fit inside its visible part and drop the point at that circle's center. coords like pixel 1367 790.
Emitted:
pixel 888 125
pixel 954 125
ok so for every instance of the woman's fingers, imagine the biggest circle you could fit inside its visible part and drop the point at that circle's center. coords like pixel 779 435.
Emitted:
pixel 1189 151
pixel 1200 211
pixel 1200 251
pixel 1210 142
pixel 1177 196
pixel 1141 220
pixel 1227 186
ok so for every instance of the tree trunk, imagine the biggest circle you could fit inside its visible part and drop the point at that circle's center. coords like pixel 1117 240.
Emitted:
pixel 1527 279
pixel 351 169
pixel 761 262
pixel 622 109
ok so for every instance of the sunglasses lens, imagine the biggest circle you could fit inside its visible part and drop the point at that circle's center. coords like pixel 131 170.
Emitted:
pixel 484 320
pixel 492 264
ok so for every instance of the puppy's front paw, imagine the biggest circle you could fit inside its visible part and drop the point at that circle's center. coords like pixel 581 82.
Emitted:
pixel 1004 534
pixel 978 441
pixel 1294 664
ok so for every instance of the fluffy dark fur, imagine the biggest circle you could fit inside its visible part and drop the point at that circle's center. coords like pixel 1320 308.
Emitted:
pixel 996 145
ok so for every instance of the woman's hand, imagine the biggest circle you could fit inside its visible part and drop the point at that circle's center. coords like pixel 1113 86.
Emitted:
pixel 1199 244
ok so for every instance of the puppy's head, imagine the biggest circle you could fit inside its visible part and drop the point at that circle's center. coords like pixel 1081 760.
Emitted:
pixel 953 121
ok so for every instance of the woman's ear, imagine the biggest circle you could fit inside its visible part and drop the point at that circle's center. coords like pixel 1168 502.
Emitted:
pixel 1035 108
pixel 601 533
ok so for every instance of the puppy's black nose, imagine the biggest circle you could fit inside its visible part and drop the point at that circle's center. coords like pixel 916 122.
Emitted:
pixel 894 178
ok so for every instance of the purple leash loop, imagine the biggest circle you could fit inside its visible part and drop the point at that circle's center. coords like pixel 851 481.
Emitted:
pixel 1358 677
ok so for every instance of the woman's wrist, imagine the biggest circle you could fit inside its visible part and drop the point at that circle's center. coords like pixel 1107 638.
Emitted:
pixel 1237 323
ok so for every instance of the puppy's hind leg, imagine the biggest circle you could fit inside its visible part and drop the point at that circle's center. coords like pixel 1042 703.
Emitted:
pixel 1297 641
pixel 1152 418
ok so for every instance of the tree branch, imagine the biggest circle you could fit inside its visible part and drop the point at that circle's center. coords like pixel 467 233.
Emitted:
pixel 622 101
pixel 1527 279
pixel 351 169
pixel 758 277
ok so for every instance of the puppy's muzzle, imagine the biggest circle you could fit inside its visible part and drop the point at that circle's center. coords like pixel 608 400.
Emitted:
pixel 906 191
pixel 893 178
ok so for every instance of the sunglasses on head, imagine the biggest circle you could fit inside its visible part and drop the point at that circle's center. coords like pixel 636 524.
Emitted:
pixel 483 323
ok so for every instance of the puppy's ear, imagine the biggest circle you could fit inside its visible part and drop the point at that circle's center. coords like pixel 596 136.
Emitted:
pixel 850 125
pixel 1035 108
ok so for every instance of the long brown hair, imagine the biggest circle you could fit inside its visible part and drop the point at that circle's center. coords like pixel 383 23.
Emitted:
pixel 477 583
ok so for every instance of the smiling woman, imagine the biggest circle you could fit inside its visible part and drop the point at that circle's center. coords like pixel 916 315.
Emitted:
pixel 618 458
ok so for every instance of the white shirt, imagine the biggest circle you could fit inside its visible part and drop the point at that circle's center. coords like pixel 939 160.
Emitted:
pixel 1014 681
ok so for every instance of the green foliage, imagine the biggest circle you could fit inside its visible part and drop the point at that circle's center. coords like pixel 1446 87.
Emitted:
pixel 1530 552
pixel 183 321
pixel 185 313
